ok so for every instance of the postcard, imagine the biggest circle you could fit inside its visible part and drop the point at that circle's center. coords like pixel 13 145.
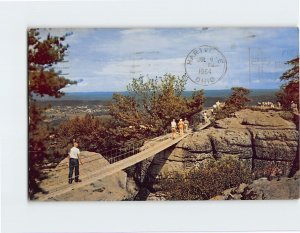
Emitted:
pixel 160 114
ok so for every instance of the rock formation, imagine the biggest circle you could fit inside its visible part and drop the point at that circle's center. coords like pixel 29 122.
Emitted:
pixel 264 189
pixel 264 141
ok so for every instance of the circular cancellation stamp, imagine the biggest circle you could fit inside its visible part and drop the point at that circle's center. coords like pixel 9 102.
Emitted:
pixel 205 65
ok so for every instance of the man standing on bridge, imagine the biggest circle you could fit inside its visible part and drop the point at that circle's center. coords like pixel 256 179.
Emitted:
pixel 74 158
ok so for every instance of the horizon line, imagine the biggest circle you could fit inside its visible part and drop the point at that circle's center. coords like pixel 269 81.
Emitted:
pixel 184 90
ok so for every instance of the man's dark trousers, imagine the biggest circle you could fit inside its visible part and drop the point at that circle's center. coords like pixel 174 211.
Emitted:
pixel 74 164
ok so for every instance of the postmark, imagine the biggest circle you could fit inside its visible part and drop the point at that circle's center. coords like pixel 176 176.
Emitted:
pixel 205 65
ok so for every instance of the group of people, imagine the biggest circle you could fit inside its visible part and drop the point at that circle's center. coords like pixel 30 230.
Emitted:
pixel 268 104
pixel 217 105
pixel 182 126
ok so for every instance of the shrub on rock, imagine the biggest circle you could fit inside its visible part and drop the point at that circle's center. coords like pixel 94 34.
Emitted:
pixel 205 182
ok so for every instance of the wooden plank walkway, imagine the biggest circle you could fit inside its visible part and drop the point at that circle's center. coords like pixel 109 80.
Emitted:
pixel 116 167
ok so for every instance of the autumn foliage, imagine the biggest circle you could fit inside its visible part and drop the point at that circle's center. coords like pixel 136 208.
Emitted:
pixel 91 132
pixel 290 89
pixel 236 101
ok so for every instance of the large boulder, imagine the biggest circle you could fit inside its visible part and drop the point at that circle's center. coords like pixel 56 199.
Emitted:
pixel 114 187
pixel 275 141
pixel 275 144
pixel 264 189
pixel 193 150
pixel 164 165
pixel 263 119
pixel 198 142
pixel 229 123
pixel 266 143
pixel 232 142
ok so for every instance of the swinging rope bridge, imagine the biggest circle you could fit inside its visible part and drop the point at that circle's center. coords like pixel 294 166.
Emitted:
pixel 98 167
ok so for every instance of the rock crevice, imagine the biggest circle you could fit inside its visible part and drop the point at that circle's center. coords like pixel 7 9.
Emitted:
pixel 263 141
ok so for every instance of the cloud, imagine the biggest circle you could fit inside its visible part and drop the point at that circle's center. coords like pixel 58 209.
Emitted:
pixel 152 67
pixel 108 59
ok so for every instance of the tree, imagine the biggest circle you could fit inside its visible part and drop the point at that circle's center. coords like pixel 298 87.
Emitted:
pixel 43 54
pixel 237 100
pixel 92 133
pixel 151 105
pixel 290 89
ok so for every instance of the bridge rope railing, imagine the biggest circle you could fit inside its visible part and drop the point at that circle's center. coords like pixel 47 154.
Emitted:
pixel 112 156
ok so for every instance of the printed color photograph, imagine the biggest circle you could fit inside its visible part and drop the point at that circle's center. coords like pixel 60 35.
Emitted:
pixel 161 114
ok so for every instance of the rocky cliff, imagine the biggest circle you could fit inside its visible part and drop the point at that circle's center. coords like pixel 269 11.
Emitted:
pixel 264 189
pixel 264 141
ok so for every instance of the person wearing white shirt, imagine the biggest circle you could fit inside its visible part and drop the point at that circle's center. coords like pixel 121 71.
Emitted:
pixel 173 128
pixel 74 159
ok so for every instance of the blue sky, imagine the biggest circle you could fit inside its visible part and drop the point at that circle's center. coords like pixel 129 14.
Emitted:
pixel 108 59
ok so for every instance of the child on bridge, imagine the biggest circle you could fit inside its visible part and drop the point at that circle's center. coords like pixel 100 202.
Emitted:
pixel 186 125
pixel 173 128
pixel 181 126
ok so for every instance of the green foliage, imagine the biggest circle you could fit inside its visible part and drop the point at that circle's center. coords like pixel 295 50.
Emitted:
pixel 207 181
pixel 151 105
pixel 237 101
pixel 290 89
